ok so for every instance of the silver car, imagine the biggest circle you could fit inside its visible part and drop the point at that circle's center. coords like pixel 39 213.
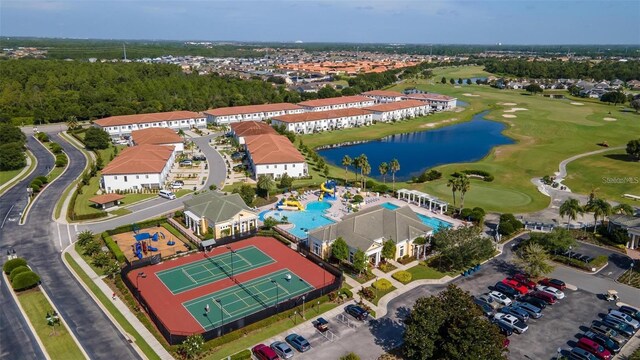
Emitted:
pixel 510 320
pixel 283 349
pixel 624 318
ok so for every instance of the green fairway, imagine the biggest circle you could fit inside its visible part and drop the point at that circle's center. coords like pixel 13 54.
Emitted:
pixel 457 72
pixel 246 298
pixel 214 268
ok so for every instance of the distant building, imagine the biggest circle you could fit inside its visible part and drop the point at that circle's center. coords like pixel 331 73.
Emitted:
pixel 138 167
pixel 158 136
pixel 125 124
pixel 398 110
pixel 228 115
pixel 318 121
pixel 383 96
pixel 243 129
pixel 437 102
pixel 337 103
pixel 226 215
pixel 274 155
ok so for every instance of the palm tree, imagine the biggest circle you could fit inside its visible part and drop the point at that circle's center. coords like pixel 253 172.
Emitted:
pixel 362 162
pixel 346 162
pixel 571 208
pixel 266 184
pixel 72 122
pixel 454 184
pixel 366 170
pixel 622 209
pixel 383 168
pixel 394 166
pixel 463 186
pixel 356 166
pixel 600 208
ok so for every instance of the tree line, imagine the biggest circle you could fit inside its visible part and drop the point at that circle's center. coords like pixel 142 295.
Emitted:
pixel 12 144
pixel 556 69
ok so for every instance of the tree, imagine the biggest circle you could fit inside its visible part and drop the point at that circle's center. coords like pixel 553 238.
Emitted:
pixel 266 184
pixel 340 249
pixel 623 209
pixel 534 260
pixel 269 223
pixel 325 171
pixel 533 88
pixel 11 134
pixel 12 156
pixel 96 139
pixel 449 326
pixel 615 97
pixel 468 81
pixel 320 163
pixel 286 181
pixel 600 209
pixel 394 166
pixel 350 356
pixel 72 122
pixel 246 192
pixel 452 81
pixel 460 248
pixel 558 240
pixel 84 237
pixel 383 168
pixel 635 104
pixel 443 80
pixel 571 208
pixel 454 184
pixel 633 149
pixel 191 346
pixel 360 261
pixel 327 92
pixel 346 162
pixel 366 170
pixel 389 249
pixel 459 81
pixel 463 186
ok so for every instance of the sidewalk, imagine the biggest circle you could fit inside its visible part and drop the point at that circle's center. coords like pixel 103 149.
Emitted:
pixel 133 320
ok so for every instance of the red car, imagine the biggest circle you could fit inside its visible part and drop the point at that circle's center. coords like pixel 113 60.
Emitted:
pixel 558 284
pixel 523 290
pixel 263 352
pixel 596 349
pixel 524 280
pixel 545 296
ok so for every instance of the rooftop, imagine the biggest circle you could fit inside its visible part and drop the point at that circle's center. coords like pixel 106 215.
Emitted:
pixel 382 93
pixel 142 159
pixel 321 115
pixel 251 109
pixel 398 105
pixel 146 118
pixel 625 220
pixel 155 136
pixel 272 149
pixel 335 101
pixel 215 206
pixel 106 198
pixel 249 128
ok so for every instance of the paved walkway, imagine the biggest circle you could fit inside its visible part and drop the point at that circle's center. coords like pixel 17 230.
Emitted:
pixel 122 308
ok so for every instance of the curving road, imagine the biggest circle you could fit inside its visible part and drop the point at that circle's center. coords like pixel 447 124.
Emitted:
pixel 36 241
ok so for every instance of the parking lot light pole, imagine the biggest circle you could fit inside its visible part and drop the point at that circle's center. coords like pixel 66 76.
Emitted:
pixel 303 297
pixel 232 252
pixel 630 272
pixel 570 248
pixel 221 315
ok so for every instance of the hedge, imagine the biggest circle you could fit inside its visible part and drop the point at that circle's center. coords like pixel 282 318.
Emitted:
pixel 43 179
pixel 486 176
pixel 25 280
pixel 242 355
pixel 382 284
pixel 115 249
pixel 141 225
pixel 402 276
pixel 599 261
pixel 347 292
pixel 18 270
pixel 12 264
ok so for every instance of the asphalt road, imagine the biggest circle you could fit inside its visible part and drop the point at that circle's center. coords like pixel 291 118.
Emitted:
pixel 36 242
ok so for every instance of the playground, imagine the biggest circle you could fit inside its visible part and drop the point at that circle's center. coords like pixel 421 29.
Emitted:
pixel 147 242
pixel 203 291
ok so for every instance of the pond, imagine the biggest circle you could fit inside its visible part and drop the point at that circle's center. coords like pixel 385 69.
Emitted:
pixel 421 150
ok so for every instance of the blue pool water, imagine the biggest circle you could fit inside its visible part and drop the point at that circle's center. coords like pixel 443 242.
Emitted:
pixel 434 223
pixel 389 206
pixel 304 221
pixel 421 150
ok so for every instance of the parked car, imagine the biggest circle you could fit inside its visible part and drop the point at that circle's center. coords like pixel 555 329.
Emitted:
pixel 283 350
pixel 487 299
pixel 505 329
pixel 186 163
pixel 263 352
pixel 603 340
pixel 519 313
pixel 179 182
pixel 487 309
pixel 558 284
pixel 500 298
pixel 620 326
pixel 533 311
pixel 199 158
pixel 321 324
pixel 593 347
pixel 534 301
pixel 514 284
pixel 600 328
pixel 524 280
pixel 625 318
pixel 553 291
pixel 581 354
pixel 631 311
pixel 357 312
pixel 585 258
pixel 298 342
pixel 547 297
pixel 510 320
pixel 176 185
pixel 506 289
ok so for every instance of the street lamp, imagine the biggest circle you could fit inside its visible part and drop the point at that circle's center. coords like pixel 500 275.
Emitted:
pixel 570 248
pixel 221 315
pixel 303 297
pixel 277 293
pixel 232 252
pixel 630 272
pixel 141 274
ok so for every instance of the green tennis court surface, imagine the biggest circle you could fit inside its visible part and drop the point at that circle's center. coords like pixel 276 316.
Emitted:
pixel 246 298
pixel 213 268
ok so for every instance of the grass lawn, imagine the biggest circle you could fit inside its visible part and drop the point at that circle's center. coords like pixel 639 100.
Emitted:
pixel 420 272
pixel 58 346
pixel 108 304
pixel 456 72
pixel 380 294
pixel 631 278
pixel 55 172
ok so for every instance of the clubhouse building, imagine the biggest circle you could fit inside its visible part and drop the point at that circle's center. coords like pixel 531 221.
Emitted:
pixel 274 155
pixel 310 122
pixel 138 167
pixel 629 223
pixel 125 124
pixel 233 114
pixel 226 215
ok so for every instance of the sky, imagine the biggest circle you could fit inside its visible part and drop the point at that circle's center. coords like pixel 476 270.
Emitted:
pixel 357 21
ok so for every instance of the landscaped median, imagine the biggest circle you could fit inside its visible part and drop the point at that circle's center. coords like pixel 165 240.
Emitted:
pixel 592 266
pixel 11 177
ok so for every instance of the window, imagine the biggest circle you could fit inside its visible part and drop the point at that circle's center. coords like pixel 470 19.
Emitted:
pixel 317 249
pixel 146 176
pixel 125 178
pixel 285 167
pixel 115 178
pixel 402 251
pixel 137 176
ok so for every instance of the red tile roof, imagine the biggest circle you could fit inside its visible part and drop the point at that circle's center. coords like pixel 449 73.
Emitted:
pixel 105 198
pixel 143 159
pixel 155 136
pixel 251 109
pixel 435 97
pixel 249 128
pixel 321 115
pixel 397 105
pixel 383 93
pixel 147 118
pixel 272 149
pixel 335 101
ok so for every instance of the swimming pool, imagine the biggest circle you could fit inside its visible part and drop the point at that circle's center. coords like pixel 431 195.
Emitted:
pixel 432 222
pixel 303 221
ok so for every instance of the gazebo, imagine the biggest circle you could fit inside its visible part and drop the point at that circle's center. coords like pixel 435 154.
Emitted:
pixel 106 201
pixel 422 199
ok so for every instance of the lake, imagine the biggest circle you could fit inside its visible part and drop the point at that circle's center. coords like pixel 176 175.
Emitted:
pixel 421 150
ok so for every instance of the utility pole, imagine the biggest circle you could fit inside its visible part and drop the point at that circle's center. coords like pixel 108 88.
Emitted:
pixel 124 50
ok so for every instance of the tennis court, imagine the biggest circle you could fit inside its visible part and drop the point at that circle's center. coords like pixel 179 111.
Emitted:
pixel 213 268
pixel 246 298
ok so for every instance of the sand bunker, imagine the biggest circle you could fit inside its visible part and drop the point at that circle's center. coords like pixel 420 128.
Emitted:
pixel 610 119
pixel 430 125
pixel 507 104
pixel 515 109
pixel 472 95
pixel 576 103
pixel 508 116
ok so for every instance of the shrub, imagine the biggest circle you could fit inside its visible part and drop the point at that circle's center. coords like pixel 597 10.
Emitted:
pixel 429 176
pixel 101 259
pixel 406 259
pixel 61 160
pixel 367 293
pixel 91 248
pixel 18 270
pixel 486 176
pixel 43 179
pixel 509 224
pixel 402 276
pixel 55 148
pixel 12 264
pixel 382 284
pixel 115 249
pixel 358 199
pixel 25 280
pixel 350 356
pixel 242 355
pixel 43 137
pixel 347 292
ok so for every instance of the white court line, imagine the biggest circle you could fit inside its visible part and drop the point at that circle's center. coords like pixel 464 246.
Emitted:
pixel 189 276
pixel 221 307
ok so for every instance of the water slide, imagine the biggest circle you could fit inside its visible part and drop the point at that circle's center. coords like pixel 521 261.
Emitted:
pixel 328 189
pixel 294 203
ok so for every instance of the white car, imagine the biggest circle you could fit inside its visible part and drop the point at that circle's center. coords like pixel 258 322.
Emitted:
pixel 619 315
pixel 511 321
pixel 500 298
pixel 553 291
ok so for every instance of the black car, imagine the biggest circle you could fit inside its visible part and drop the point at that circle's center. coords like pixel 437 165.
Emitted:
pixel 506 289
pixel 505 329
pixel 199 158
pixel 619 326
pixel 533 311
pixel 603 340
pixel 487 309
pixel 631 311
pixel 539 303
pixel 357 312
